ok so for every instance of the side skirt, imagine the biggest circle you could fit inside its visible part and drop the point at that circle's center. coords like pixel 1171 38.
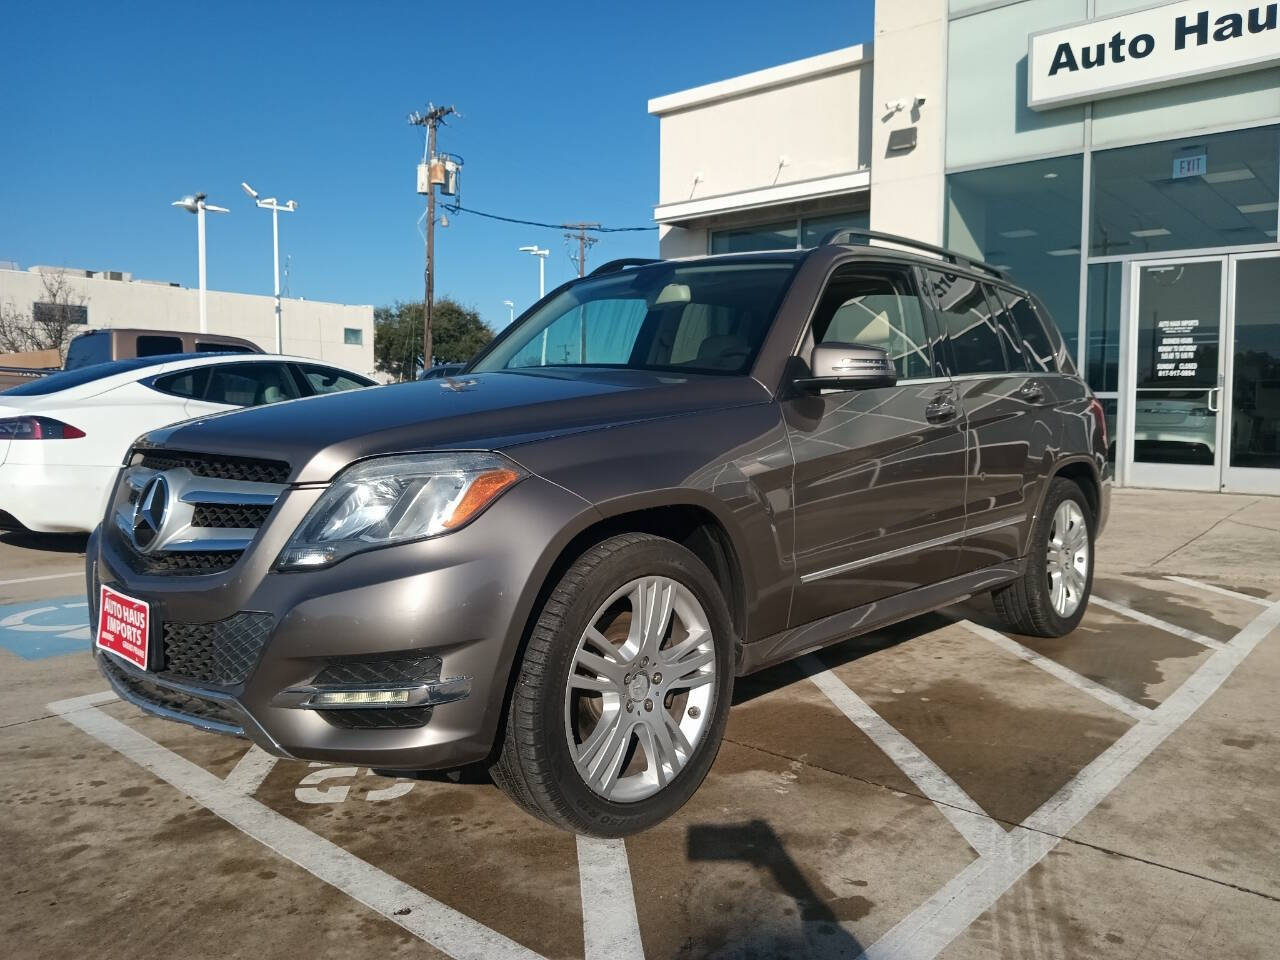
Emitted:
pixel 797 641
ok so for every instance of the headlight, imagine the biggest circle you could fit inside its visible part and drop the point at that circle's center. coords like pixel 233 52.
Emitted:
pixel 397 499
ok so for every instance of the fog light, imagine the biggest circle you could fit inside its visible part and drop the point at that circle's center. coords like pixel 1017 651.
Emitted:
pixel 353 698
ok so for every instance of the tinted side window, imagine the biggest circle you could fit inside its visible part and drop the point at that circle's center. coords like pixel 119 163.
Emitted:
pixel 150 345
pixel 88 348
pixel 1036 345
pixel 966 321
pixel 204 346
pixel 329 380
pixel 1010 339
pixel 187 383
pixel 880 307
pixel 250 384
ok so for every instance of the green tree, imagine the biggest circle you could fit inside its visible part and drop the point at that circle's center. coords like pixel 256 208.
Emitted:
pixel 457 334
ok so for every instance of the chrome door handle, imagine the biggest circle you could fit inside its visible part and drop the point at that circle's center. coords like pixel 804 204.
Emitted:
pixel 940 409
pixel 1031 391
pixel 1213 395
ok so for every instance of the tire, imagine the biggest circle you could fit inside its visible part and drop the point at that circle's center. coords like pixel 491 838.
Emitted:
pixel 547 755
pixel 1032 605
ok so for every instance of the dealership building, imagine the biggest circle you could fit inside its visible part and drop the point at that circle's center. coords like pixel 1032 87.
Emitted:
pixel 337 333
pixel 1120 159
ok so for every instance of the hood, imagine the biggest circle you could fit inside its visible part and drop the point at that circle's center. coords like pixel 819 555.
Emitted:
pixel 490 411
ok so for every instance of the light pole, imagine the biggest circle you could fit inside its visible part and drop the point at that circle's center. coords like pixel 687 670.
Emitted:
pixel 535 251
pixel 194 203
pixel 511 311
pixel 542 267
pixel 270 203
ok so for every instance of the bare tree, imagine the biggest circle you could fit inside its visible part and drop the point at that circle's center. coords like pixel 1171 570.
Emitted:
pixel 48 325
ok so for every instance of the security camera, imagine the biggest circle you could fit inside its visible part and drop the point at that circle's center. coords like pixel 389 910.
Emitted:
pixel 249 190
pixel 919 101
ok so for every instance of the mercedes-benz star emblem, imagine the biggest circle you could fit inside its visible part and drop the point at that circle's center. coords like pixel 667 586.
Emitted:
pixel 149 512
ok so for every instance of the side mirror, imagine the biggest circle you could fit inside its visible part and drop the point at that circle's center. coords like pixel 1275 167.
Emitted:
pixel 848 366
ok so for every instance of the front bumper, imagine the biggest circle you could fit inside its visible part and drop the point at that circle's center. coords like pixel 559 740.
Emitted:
pixel 464 598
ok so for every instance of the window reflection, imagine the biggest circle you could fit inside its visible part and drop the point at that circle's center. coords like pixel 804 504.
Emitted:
pixel 1025 218
pixel 1140 204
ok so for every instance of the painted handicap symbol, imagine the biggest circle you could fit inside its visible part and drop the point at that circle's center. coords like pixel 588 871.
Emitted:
pixel 45 628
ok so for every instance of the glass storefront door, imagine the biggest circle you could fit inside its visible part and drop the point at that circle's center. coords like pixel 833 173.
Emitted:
pixel 1204 370
pixel 1176 351
pixel 1252 434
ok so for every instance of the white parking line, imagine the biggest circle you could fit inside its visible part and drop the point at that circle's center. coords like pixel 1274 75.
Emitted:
pixel 1159 624
pixel 925 932
pixel 50 576
pixel 982 833
pixel 1065 674
pixel 610 927
pixel 1233 594
pixel 249 773
pixel 443 927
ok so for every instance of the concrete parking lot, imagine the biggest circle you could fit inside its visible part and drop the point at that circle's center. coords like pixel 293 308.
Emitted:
pixel 942 788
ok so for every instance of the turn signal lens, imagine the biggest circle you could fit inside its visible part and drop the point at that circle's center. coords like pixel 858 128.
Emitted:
pixel 37 428
pixel 483 491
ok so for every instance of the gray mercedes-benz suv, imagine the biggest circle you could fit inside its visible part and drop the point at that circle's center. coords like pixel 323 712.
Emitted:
pixel 664 476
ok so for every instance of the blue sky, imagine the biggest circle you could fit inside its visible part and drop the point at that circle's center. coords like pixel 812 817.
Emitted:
pixel 111 111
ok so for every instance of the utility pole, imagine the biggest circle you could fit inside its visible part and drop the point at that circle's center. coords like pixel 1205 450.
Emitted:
pixel 431 119
pixel 584 242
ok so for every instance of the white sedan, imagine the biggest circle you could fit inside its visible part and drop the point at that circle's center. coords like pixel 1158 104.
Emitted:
pixel 64 436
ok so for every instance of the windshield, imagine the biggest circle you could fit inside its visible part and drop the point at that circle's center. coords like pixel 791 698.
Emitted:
pixel 695 318
pixel 75 378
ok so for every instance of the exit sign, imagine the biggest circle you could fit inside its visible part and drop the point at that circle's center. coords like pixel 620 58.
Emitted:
pixel 1190 165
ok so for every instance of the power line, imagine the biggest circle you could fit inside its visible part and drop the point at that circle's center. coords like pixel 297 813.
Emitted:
pixel 592 227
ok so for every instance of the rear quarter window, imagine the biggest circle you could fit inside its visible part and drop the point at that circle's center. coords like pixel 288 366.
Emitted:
pixel 967 323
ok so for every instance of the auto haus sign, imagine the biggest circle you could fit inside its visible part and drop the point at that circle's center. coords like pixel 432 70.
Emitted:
pixel 1156 47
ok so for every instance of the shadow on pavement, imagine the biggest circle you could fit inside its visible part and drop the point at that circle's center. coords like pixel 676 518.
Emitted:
pixel 68 543
pixel 820 933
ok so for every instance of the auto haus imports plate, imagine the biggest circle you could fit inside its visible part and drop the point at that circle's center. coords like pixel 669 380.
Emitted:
pixel 124 625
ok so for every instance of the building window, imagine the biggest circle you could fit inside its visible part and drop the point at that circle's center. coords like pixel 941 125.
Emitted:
pixel 1215 191
pixel 768 236
pixel 59 313
pixel 353 336
pixel 814 229
pixel 788 234
pixel 1102 327
pixel 1025 219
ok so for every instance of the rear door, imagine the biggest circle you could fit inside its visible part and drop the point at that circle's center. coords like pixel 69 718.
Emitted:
pixel 1005 398
pixel 879 474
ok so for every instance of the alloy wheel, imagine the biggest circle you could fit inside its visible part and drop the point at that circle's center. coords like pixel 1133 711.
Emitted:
pixel 1068 558
pixel 640 689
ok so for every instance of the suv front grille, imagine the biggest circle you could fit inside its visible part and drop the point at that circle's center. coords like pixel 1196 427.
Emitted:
pixel 224 515
pixel 215 465
pixel 181 563
pixel 222 653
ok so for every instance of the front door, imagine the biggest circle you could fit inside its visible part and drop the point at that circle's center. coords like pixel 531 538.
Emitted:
pixel 880 473
pixel 1205 367
pixel 1177 357
pixel 1251 392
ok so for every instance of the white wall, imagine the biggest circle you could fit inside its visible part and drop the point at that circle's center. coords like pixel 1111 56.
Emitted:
pixel 311 328
pixel 907 187
pixel 789 133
